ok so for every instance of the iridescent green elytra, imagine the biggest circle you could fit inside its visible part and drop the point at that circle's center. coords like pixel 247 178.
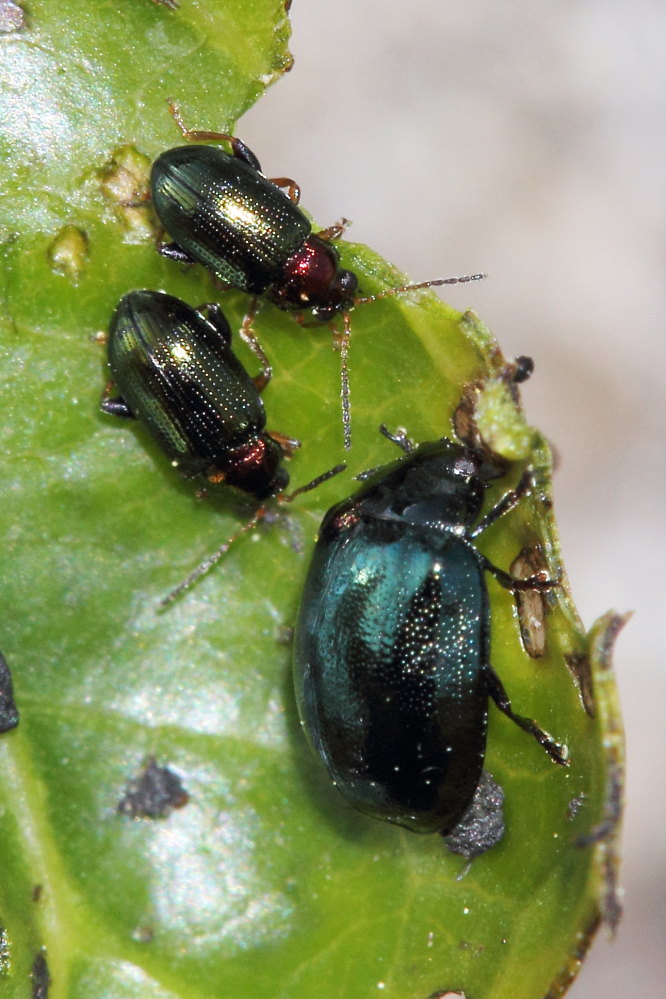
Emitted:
pixel 176 372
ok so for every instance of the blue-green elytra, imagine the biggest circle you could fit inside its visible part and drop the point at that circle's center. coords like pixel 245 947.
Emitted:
pixel 392 645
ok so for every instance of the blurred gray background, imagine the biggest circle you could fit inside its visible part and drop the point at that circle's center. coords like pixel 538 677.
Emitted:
pixel 527 140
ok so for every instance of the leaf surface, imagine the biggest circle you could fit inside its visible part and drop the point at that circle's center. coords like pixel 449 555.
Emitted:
pixel 265 882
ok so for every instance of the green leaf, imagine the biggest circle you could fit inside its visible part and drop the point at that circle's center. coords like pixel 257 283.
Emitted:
pixel 264 882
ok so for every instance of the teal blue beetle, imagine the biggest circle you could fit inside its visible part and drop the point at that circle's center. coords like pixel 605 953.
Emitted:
pixel 176 373
pixel 221 211
pixel 392 646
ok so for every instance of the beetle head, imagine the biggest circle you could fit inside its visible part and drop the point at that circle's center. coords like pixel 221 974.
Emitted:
pixel 255 468
pixel 313 279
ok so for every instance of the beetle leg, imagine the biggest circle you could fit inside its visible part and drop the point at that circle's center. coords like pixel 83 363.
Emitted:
pixel 288 444
pixel 116 407
pixel 249 337
pixel 238 147
pixel 538 581
pixel 506 503
pixel 172 251
pixel 556 750
pixel 293 189
pixel 212 312
pixel 334 231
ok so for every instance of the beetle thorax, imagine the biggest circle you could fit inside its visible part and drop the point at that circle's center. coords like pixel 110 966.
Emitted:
pixel 437 487
pixel 254 467
pixel 313 279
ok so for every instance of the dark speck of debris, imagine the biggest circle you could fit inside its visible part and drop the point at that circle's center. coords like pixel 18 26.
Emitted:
pixel 143 934
pixel 482 825
pixel 40 976
pixel 285 635
pixel 9 716
pixel 153 794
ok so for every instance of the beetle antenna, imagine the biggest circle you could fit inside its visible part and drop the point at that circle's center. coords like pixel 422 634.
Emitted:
pixel 312 484
pixel 342 341
pixel 400 437
pixel 213 559
pixel 259 515
pixel 463 279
